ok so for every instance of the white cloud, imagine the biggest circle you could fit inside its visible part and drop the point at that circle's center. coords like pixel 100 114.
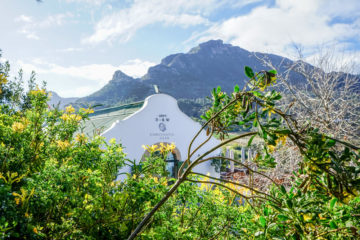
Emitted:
pixel 23 18
pixel 91 2
pixel 57 19
pixel 136 67
pixel 275 29
pixel 71 49
pixel 124 23
pixel 336 59
pixel 30 27
pixel 29 34
pixel 87 78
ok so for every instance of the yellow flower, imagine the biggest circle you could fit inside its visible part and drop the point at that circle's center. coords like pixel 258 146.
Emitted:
pixel 349 197
pixel 38 92
pixel 70 109
pixel 70 117
pixel 153 148
pixel 87 110
pixel 164 182
pixel 18 127
pixel 156 180
pixel 307 217
pixel 266 82
pixel 270 110
pixel 78 118
pixel 271 148
pixel 281 139
pixel 237 108
pixel 172 146
pixel 65 117
pixel 163 148
pixel 150 149
pixel 3 78
pixel 35 230
pixel 311 226
pixel 63 144
pixel 80 137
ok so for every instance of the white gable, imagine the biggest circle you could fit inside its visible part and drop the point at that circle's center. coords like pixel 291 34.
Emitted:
pixel 160 120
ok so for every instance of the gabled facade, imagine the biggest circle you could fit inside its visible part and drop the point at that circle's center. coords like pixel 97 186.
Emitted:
pixel 159 120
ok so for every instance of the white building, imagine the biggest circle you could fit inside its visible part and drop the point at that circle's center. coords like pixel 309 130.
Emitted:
pixel 158 120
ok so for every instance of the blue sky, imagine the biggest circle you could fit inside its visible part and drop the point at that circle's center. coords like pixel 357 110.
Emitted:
pixel 76 45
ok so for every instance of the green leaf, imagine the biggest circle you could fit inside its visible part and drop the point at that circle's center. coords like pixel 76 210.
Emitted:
pixel 255 123
pixel 331 143
pixel 333 224
pixel 277 97
pixel 236 88
pixel 282 217
pixel 203 117
pixel 283 190
pixel 262 221
pixel 283 131
pixel 249 72
pixel 218 90
pixel 273 71
pixel 266 211
pixel 289 203
pixel 299 229
pixel 257 94
pixel 332 202
pixel 213 92
pixel 250 140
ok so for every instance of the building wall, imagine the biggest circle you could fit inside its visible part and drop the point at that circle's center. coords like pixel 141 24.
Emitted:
pixel 161 120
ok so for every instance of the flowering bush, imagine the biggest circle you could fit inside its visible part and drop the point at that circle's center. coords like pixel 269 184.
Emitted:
pixel 323 200
pixel 58 183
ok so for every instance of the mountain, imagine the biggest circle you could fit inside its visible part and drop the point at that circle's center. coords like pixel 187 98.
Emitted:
pixel 184 75
pixel 57 101
pixel 190 75
pixel 122 88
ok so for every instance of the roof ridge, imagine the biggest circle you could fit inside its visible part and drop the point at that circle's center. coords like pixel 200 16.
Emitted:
pixel 113 109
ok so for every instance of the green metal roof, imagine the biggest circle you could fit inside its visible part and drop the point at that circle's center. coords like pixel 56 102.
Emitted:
pixel 102 119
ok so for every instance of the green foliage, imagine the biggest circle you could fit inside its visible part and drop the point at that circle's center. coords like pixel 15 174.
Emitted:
pixel 323 199
pixel 56 183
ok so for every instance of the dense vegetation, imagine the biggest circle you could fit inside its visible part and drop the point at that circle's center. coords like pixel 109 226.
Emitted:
pixel 56 183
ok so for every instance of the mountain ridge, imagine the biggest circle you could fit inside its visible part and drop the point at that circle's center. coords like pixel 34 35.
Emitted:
pixel 190 75
pixel 196 72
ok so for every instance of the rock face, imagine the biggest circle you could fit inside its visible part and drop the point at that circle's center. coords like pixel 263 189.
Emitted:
pixel 189 75
pixel 120 89
pixel 183 75
pixel 204 67
pixel 57 101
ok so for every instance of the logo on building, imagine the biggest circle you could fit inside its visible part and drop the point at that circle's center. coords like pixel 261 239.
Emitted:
pixel 162 127
pixel 162 118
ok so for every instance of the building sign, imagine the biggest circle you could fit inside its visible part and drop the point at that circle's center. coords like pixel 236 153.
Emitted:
pixel 162 120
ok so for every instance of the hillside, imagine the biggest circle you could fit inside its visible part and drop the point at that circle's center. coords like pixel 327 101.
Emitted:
pixel 185 75
pixel 57 101
pixel 191 76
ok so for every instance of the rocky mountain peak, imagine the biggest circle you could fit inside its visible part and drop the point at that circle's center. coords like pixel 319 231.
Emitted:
pixel 212 46
pixel 189 75
pixel 120 76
